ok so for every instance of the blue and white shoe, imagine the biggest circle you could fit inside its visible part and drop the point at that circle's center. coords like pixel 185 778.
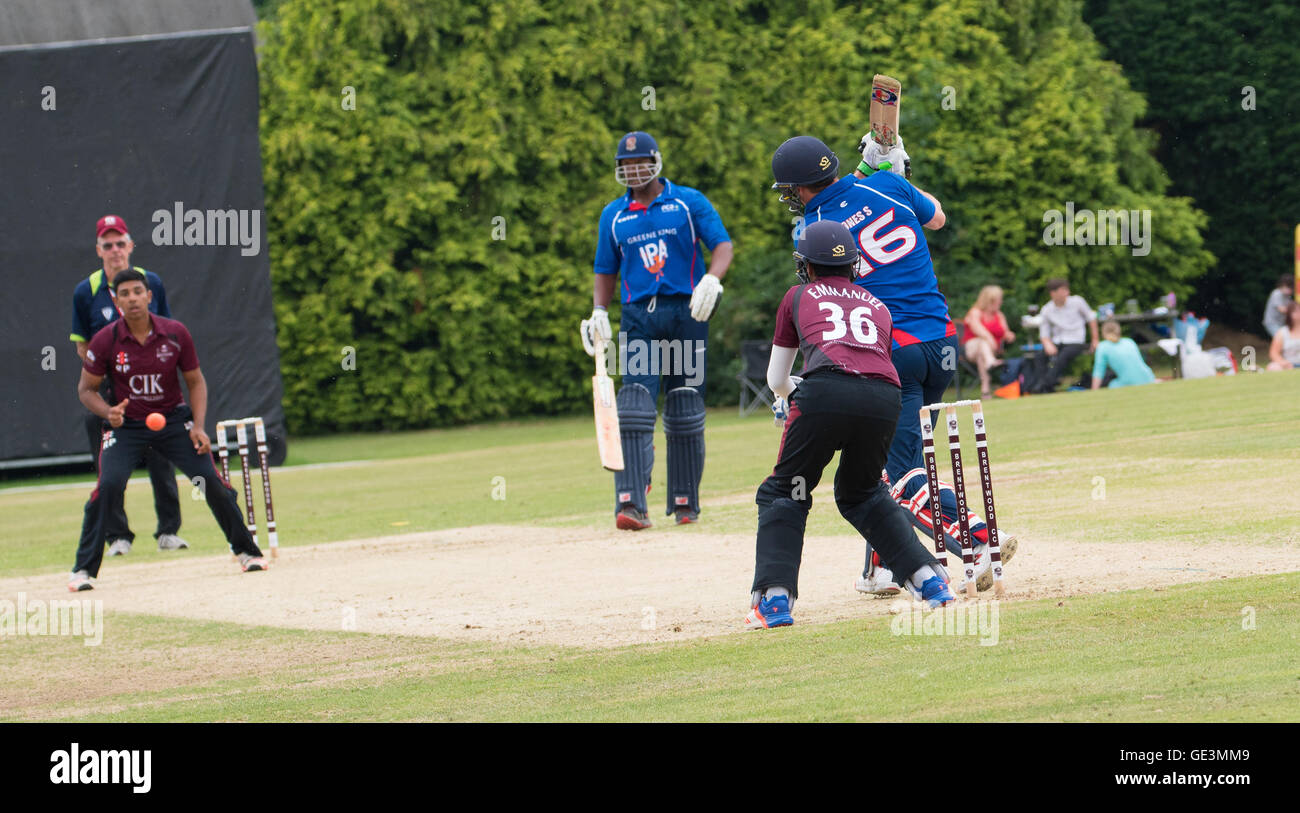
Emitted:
pixel 935 592
pixel 768 613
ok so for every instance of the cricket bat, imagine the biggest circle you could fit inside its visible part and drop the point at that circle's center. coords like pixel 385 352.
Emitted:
pixel 608 442
pixel 886 98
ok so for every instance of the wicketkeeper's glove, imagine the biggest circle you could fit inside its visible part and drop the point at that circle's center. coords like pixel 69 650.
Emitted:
pixel 781 406
pixel 780 410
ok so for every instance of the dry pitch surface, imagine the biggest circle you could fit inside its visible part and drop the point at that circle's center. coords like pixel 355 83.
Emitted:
pixel 588 587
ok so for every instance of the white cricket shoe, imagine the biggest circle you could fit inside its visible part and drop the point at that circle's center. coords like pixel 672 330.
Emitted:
pixel 80 580
pixel 250 563
pixel 119 547
pixel 171 542
pixel 878 583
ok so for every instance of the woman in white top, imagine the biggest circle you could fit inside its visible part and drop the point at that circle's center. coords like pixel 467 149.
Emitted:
pixel 1284 353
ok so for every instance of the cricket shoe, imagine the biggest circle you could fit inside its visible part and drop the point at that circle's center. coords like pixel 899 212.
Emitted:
pixel 1008 545
pixel 881 583
pixel 686 516
pixel 80 581
pixel 171 542
pixel 119 547
pixel 629 518
pixel 878 580
pixel 768 613
pixel 250 563
pixel 935 592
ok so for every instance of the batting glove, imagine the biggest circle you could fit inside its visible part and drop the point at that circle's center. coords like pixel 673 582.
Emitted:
pixel 896 160
pixel 704 299
pixel 596 329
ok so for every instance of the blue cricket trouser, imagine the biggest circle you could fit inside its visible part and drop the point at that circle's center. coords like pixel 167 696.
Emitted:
pixel 658 339
pixel 923 378
pixel 924 372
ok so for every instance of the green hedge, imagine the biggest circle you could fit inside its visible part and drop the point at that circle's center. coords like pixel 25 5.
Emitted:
pixel 381 218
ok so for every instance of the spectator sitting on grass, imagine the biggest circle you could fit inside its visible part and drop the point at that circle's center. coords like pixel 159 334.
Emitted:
pixel 1275 311
pixel 1284 353
pixel 1122 357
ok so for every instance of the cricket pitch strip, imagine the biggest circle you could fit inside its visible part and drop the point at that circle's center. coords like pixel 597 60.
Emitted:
pixel 593 588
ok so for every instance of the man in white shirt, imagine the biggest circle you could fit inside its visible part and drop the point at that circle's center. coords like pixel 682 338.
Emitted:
pixel 1062 331
pixel 1275 310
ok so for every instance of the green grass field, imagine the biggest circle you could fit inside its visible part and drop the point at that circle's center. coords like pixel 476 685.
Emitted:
pixel 1184 657
pixel 1186 462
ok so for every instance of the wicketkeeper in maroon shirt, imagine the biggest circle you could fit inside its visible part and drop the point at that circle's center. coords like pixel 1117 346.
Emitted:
pixel 142 352
pixel 847 401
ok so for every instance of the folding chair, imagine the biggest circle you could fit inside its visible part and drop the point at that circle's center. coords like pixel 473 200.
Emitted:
pixel 754 355
pixel 963 364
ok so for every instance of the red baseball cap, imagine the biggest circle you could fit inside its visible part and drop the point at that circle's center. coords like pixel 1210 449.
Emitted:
pixel 109 223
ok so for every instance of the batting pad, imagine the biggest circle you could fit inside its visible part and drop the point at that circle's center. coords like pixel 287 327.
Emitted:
pixel 684 430
pixel 917 507
pixel 636 428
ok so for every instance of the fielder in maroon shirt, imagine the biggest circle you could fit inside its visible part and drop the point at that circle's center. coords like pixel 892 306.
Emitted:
pixel 142 352
pixel 847 400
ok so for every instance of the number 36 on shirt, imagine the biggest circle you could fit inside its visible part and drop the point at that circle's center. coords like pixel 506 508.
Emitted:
pixel 859 322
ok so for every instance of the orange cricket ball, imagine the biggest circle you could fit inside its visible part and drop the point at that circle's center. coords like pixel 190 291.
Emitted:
pixel 155 421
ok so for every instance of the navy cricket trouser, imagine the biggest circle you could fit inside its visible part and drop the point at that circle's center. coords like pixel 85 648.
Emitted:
pixel 120 454
pixel 657 337
pixel 924 372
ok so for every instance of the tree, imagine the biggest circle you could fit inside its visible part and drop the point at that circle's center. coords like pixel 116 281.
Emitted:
pixel 1223 81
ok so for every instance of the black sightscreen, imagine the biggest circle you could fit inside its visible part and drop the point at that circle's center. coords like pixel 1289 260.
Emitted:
pixel 138 128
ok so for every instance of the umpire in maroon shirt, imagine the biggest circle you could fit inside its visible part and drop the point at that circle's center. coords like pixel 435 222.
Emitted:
pixel 142 352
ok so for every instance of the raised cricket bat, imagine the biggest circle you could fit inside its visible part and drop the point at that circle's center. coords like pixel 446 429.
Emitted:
pixel 608 443
pixel 886 98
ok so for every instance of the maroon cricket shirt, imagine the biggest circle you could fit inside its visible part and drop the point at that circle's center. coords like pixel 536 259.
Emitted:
pixel 838 326
pixel 145 373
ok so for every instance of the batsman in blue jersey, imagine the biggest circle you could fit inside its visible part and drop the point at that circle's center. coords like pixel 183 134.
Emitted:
pixel 649 253
pixel 886 215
